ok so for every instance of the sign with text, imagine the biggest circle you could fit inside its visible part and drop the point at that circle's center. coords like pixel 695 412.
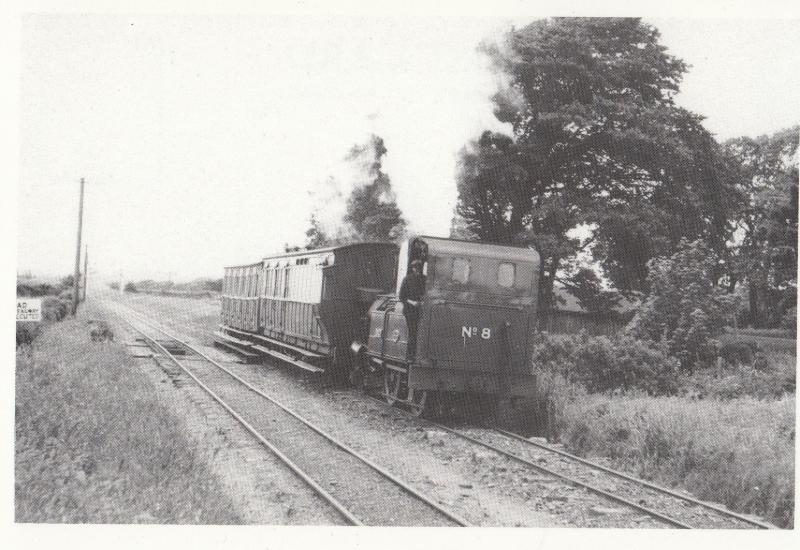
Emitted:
pixel 29 309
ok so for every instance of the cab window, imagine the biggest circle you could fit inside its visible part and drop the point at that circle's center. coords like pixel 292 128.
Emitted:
pixel 460 273
pixel 506 274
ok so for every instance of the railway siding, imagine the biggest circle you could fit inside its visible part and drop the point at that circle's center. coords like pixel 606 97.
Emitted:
pixel 370 496
pixel 688 513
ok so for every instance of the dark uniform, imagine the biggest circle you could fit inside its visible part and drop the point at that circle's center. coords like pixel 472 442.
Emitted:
pixel 412 288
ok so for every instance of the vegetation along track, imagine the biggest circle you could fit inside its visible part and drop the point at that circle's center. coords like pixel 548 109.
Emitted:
pixel 665 505
pixel 360 491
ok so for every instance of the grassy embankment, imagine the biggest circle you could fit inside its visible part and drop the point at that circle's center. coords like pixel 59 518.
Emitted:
pixel 738 450
pixel 94 444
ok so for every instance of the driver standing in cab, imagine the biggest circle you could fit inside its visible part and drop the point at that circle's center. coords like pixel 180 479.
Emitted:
pixel 412 289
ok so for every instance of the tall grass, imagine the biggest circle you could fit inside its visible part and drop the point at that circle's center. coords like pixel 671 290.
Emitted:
pixel 739 452
pixel 93 444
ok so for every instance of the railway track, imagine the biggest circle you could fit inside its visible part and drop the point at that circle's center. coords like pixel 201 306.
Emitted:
pixel 735 520
pixel 665 506
pixel 359 491
pixel 685 512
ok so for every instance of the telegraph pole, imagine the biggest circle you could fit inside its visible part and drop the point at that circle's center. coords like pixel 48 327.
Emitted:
pixel 77 274
pixel 85 271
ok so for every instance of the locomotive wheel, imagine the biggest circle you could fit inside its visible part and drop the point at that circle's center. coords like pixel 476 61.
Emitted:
pixel 392 381
pixel 416 401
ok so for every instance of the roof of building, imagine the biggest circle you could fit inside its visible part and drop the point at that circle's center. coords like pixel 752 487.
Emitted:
pixel 566 301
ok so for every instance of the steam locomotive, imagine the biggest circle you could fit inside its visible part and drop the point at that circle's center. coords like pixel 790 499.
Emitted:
pixel 336 310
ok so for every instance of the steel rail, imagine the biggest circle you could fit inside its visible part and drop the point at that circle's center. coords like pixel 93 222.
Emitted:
pixel 400 483
pixel 645 483
pixel 339 507
pixel 286 460
pixel 597 490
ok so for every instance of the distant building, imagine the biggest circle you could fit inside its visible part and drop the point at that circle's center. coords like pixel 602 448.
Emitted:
pixel 569 317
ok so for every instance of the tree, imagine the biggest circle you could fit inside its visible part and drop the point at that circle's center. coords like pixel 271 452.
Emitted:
pixel 315 234
pixel 765 247
pixel 596 140
pixel 587 287
pixel 685 308
pixel 372 209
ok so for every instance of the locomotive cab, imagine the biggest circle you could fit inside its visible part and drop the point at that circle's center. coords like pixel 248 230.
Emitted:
pixel 477 313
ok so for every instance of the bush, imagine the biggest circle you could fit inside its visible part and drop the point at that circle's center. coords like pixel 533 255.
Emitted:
pixel 555 352
pixel 26 333
pixel 54 309
pixel 33 289
pixel 626 364
pixel 771 376
pixel 130 287
pixel 603 364
pixel 685 309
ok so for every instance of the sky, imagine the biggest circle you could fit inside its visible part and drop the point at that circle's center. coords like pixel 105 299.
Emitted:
pixel 205 141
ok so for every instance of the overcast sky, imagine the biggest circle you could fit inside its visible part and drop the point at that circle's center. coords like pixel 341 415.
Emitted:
pixel 201 137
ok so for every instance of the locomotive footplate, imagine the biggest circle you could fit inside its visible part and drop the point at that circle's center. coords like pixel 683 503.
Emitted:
pixel 455 380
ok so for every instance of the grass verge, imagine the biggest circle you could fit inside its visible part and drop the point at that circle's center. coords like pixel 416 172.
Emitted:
pixel 94 444
pixel 739 452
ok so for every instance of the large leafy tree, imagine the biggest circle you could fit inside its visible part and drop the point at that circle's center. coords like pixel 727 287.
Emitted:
pixel 765 246
pixel 596 141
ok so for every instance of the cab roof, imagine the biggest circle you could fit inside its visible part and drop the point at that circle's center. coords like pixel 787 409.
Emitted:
pixel 453 247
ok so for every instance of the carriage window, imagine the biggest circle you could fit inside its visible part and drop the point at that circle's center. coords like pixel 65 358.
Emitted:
pixel 505 275
pixel 269 276
pixel 460 270
pixel 277 282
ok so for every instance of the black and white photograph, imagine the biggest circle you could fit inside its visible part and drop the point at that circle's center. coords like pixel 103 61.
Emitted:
pixel 315 267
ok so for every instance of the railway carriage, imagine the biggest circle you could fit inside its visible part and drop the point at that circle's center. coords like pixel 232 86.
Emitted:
pixel 306 307
pixel 337 310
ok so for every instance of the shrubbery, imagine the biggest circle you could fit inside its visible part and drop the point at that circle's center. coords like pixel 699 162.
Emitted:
pixel 56 303
pixel 600 364
pixel 769 377
pixel 685 310
pixel 27 333
pixel 54 308
pixel 603 364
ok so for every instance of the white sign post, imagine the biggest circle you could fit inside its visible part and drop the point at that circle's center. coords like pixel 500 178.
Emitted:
pixel 29 309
